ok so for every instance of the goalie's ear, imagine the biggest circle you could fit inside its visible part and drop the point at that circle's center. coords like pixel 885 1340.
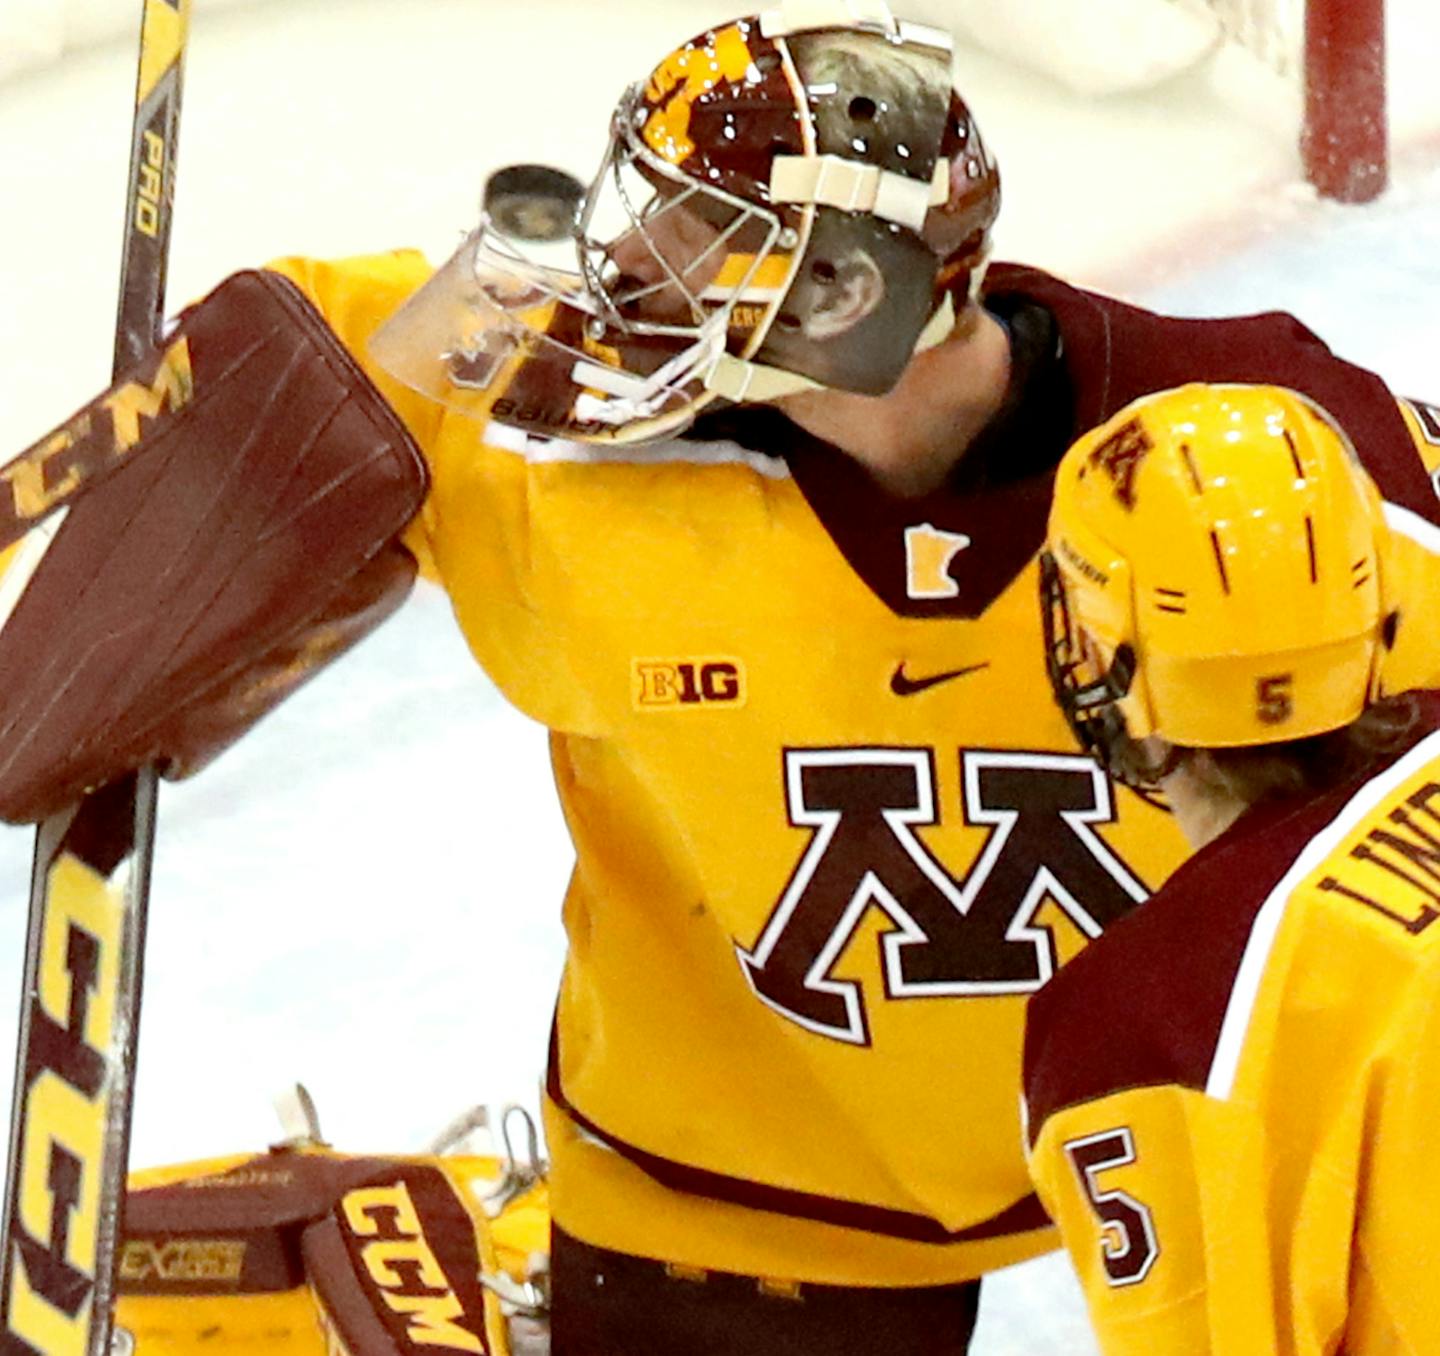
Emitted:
pixel 231 514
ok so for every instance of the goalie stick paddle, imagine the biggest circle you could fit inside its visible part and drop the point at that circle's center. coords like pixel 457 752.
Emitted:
pixel 80 1002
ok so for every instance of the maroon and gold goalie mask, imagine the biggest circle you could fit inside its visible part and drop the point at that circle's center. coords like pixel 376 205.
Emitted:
pixel 792 200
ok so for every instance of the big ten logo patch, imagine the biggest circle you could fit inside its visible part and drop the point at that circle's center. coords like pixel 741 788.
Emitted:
pixel 691 684
pixel 401 1264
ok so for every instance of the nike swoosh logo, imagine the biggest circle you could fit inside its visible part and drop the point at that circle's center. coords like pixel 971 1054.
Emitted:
pixel 902 685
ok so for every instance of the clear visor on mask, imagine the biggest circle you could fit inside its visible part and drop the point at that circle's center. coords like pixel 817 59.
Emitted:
pixel 493 336
pixel 618 347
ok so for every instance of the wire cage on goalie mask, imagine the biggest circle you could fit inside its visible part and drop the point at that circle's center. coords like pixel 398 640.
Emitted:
pixel 794 199
pixel 1214 574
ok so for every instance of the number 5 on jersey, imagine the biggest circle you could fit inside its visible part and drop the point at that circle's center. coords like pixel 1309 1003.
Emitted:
pixel 1128 1245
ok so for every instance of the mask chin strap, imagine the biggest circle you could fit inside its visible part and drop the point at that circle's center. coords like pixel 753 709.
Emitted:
pixel 625 396
pixel 938 327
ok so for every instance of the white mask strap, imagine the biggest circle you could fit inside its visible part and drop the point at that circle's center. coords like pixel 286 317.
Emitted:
pixel 853 186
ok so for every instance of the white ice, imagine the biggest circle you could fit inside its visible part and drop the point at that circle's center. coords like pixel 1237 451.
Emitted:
pixel 363 895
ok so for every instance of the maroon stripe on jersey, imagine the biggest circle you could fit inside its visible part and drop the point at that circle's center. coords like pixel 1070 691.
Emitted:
pixel 1023 1216
pixel 1143 1006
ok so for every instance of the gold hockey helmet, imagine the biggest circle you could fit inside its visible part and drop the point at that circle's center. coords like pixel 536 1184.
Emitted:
pixel 1213 574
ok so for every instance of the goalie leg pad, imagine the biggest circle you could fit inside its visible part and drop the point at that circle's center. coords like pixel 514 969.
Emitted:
pixel 259 486
pixel 392 1250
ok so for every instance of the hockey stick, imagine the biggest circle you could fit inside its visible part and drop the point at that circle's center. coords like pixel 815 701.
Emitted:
pixel 79 1010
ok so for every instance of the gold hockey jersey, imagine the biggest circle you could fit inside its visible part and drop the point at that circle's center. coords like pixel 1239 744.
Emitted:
pixel 1235 1097
pixel 830 831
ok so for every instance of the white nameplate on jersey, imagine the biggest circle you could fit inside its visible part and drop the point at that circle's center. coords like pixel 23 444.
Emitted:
pixel 928 553
pixel 693 683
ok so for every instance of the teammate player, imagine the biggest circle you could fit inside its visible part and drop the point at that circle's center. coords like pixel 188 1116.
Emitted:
pixel 744 507
pixel 1234 1098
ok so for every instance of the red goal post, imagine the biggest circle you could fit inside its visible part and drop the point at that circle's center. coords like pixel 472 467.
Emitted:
pixel 1331 53
pixel 1317 67
pixel 1335 49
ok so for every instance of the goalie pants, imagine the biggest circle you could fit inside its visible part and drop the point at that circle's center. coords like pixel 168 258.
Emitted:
pixel 607 1303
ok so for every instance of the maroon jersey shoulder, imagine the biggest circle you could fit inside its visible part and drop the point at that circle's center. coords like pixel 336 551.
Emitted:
pixel 1111 353
pixel 1116 353
pixel 1143 1006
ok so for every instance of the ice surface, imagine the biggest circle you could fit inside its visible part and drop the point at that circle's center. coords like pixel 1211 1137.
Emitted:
pixel 364 894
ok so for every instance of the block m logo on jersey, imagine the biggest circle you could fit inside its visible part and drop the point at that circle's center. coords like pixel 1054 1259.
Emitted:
pixel 949 937
pixel 1428 417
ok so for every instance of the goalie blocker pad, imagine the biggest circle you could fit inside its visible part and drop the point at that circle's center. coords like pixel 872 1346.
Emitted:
pixel 223 523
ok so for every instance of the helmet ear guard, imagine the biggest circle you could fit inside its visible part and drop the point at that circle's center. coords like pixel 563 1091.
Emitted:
pixel 1092 693
pixel 1090 655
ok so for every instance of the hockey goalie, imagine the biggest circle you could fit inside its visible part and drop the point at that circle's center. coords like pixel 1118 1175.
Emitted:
pixel 745 510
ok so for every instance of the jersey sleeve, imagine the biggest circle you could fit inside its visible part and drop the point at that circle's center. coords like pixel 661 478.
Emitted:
pixel 1159 1195
pixel 1397 1237
pixel 486 530
pixel 1291 1212
pixel 1167 1198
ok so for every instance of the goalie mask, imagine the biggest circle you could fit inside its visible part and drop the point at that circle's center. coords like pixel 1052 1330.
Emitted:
pixel 791 200
pixel 1215 574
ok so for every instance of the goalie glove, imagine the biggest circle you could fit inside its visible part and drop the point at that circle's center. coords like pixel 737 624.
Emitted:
pixel 222 522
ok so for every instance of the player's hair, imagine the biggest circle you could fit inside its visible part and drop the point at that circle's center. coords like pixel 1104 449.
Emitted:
pixel 1258 772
